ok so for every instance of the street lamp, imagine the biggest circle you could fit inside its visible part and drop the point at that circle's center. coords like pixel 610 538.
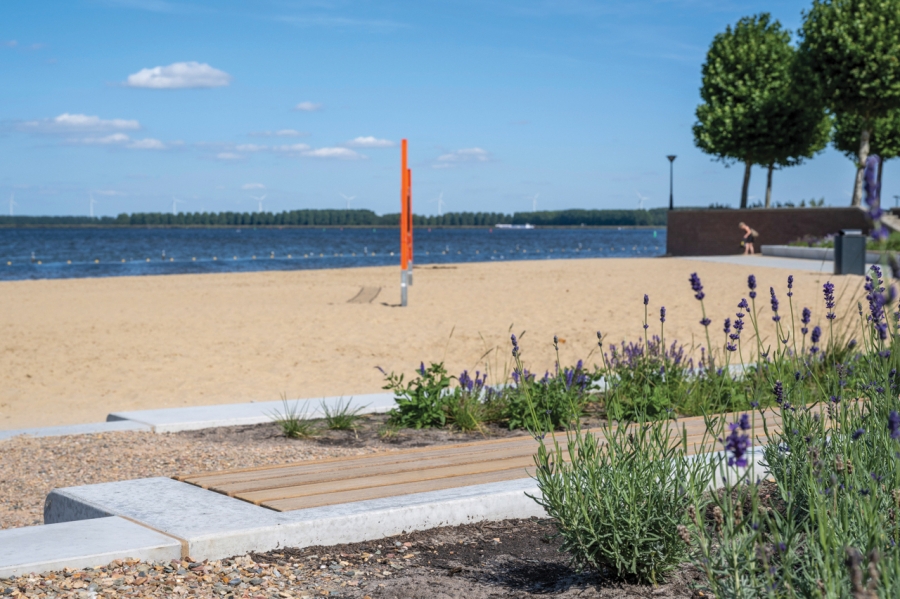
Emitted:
pixel 671 158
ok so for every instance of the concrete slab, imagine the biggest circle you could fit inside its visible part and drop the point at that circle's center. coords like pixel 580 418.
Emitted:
pixel 173 420
pixel 84 544
pixel 808 253
pixel 795 264
pixel 76 429
pixel 214 526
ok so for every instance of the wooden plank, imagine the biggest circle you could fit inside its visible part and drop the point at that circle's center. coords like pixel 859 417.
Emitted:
pixel 385 480
pixel 362 471
pixel 298 503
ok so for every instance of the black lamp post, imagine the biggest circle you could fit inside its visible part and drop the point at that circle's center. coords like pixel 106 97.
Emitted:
pixel 671 158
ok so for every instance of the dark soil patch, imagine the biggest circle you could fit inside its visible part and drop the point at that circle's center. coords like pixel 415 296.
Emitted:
pixel 371 431
pixel 512 558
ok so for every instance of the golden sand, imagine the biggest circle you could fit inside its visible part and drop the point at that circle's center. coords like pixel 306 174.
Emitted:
pixel 73 350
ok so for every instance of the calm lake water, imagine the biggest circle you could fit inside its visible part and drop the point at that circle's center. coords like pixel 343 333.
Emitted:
pixel 54 253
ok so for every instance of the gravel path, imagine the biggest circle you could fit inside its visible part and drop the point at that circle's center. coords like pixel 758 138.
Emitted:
pixel 32 467
pixel 488 560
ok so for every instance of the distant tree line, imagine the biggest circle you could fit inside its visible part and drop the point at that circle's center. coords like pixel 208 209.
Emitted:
pixel 775 104
pixel 351 218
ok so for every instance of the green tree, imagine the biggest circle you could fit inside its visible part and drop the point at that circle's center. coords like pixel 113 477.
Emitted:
pixel 752 110
pixel 884 137
pixel 850 51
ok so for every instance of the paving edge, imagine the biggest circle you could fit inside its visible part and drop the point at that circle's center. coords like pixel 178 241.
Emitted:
pixel 80 544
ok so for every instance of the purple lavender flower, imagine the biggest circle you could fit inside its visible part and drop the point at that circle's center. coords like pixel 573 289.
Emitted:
pixel 743 305
pixel 662 314
pixel 697 287
pixel 805 317
pixel 858 433
pixel 727 326
pixel 894 424
pixel 816 335
pixel 790 292
pixel 744 422
pixel 778 390
pixel 737 444
pixel 828 290
pixel 570 374
pixel 751 283
pixel 705 322
pixel 646 299
pixel 599 339
pixel 774 302
pixel 515 345
pixel 422 368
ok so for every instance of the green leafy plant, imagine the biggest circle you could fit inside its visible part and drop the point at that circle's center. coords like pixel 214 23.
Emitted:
pixel 618 505
pixel 341 417
pixel 420 401
pixel 293 420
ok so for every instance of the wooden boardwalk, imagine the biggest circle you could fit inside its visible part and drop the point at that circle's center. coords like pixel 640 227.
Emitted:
pixel 389 474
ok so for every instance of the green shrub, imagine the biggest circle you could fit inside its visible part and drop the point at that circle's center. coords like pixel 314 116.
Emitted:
pixel 618 505
pixel 420 402
pixel 548 403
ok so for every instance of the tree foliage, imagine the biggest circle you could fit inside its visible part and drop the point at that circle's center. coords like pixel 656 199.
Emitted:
pixel 753 109
pixel 850 53
pixel 884 137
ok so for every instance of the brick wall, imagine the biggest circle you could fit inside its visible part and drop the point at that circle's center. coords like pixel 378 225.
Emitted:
pixel 716 232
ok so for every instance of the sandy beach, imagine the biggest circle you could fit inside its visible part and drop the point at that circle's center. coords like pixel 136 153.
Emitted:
pixel 74 350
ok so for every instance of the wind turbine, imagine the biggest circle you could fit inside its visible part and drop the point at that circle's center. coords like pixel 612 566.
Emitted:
pixel 348 198
pixel 260 200
pixel 641 200
pixel 12 202
pixel 534 202
pixel 175 203
pixel 440 203
pixel 93 201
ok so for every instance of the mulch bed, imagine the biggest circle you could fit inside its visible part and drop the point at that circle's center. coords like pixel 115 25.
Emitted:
pixel 511 558
pixel 371 431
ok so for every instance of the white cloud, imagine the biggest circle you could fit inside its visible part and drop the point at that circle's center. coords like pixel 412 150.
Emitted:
pixel 228 156
pixel 11 44
pixel 466 155
pixel 179 75
pixel 147 143
pixel 308 107
pixel 115 138
pixel 340 153
pixel 280 133
pixel 250 148
pixel 291 148
pixel 249 186
pixel 369 142
pixel 68 123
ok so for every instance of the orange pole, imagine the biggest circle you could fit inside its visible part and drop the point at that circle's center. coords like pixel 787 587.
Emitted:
pixel 409 214
pixel 404 192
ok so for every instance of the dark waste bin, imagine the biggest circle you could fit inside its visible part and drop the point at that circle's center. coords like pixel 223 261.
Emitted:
pixel 850 252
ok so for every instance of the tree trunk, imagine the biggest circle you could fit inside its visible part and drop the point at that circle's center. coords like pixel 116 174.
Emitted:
pixel 860 167
pixel 746 185
pixel 769 186
pixel 880 170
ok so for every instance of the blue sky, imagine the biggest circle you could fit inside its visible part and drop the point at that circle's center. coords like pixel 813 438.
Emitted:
pixel 139 101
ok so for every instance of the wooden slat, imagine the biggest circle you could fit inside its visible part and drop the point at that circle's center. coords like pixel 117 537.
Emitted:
pixel 299 503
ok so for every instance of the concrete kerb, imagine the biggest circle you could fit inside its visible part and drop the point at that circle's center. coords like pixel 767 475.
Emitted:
pixel 76 429
pixel 80 544
pixel 213 526
pixel 199 417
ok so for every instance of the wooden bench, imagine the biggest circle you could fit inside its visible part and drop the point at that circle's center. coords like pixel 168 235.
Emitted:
pixel 389 474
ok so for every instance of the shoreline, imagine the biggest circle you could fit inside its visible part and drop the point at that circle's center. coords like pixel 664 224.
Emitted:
pixel 77 349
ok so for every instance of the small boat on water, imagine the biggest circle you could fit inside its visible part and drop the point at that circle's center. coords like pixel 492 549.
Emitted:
pixel 508 226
